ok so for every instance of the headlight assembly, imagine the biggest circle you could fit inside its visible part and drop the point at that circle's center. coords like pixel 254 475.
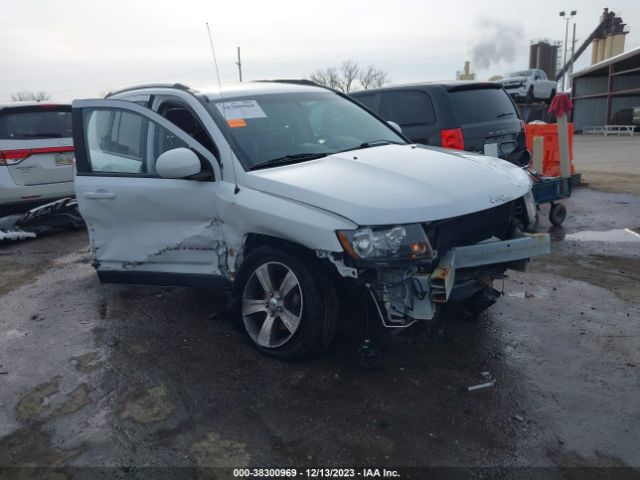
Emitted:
pixel 386 243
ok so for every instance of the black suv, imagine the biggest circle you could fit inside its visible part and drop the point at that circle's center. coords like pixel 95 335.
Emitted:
pixel 459 115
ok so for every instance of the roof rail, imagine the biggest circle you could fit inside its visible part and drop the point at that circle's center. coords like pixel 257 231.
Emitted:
pixel 295 81
pixel 179 86
pixel 302 81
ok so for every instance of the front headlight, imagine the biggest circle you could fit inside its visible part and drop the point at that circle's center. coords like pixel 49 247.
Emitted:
pixel 386 243
pixel 532 210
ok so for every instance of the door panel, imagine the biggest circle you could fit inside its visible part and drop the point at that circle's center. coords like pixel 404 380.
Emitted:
pixel 138 221
pixel 151 224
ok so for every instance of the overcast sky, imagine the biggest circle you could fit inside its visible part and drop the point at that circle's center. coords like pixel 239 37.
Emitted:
pixel 80 49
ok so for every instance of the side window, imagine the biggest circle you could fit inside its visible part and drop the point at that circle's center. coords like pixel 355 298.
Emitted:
pixel 368 100
pixel 187 121
pixel 129 134
pixel 118 141
pixel 408 108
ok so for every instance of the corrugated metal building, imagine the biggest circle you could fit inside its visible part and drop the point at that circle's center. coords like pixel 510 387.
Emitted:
pixel 605 93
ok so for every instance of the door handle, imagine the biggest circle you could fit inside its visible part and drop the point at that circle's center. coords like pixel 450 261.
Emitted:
pixel 100 195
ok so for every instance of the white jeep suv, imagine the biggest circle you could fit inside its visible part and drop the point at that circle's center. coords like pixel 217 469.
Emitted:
pixel 292 195
pixel 36 152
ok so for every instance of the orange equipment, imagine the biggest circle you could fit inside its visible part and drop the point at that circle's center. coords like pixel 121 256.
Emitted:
pixel 551 152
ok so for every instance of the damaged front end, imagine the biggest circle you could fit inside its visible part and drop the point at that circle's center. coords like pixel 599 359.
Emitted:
pixel 412 271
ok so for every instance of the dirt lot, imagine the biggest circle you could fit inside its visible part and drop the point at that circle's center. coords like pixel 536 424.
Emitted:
pixel 610 163
pixel 120 376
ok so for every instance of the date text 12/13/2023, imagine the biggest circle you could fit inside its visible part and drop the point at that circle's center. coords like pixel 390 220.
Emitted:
pixel 315 473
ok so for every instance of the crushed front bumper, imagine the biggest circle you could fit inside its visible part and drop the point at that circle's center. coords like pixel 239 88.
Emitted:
pixel 407 295
pixel 481 254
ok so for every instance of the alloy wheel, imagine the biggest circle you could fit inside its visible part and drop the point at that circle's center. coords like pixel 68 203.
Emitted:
pixel 272 304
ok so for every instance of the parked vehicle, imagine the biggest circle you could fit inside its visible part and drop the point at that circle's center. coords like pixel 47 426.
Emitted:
pixel 530 85
pixel 36 153
pixel 459 115
pixel 292 197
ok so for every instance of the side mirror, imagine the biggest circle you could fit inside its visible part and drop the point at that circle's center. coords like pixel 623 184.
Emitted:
pixel 178 163
pixel 395 126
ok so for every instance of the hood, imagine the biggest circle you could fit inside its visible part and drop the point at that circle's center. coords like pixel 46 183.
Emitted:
pixel 394 184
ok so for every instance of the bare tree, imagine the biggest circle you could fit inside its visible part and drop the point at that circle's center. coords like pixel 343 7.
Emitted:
pixel 349 73
pixel 26 96
pixel 350 77
pixel 327 77
pixel 373 77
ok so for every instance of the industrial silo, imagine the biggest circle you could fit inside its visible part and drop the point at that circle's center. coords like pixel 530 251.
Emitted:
pixel 544 55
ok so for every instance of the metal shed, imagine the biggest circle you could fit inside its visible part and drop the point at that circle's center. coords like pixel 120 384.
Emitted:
pixel 606 93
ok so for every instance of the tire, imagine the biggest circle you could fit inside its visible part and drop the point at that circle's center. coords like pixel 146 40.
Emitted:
pixel 530 97
pixel 557 214
pixel 299 324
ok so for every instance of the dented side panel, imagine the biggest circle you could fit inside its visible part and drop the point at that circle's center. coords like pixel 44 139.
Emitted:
pixel 250 211
pixel 174 226
pixel 154 224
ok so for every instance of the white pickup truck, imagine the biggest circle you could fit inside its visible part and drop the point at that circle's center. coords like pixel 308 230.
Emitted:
pixel 530 85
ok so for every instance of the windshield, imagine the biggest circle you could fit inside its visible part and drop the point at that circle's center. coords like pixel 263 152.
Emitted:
pixel 521 73
pixel 304 125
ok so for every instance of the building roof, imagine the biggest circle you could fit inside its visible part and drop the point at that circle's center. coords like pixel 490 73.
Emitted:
pixel 605 63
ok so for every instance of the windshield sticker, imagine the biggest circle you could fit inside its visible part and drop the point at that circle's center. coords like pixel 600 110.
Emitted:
pixel 236 122
pixel 241 109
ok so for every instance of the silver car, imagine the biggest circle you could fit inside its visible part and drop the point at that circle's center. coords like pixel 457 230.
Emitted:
pixel 36 152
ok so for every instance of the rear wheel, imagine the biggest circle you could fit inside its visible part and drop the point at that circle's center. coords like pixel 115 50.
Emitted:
pixel 557 214
pixel 288 310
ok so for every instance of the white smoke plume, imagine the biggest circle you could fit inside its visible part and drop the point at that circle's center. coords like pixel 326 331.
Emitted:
pixel 499 42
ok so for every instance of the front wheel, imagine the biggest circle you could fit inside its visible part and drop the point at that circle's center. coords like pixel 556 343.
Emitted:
pixel 288 308
pixel 530 96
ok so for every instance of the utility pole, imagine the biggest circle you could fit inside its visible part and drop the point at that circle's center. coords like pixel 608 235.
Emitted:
pixel 239 64
pixel 573 53
pixel 566 18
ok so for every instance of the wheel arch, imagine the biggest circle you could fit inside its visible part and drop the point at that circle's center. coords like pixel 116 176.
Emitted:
pixel 254 241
